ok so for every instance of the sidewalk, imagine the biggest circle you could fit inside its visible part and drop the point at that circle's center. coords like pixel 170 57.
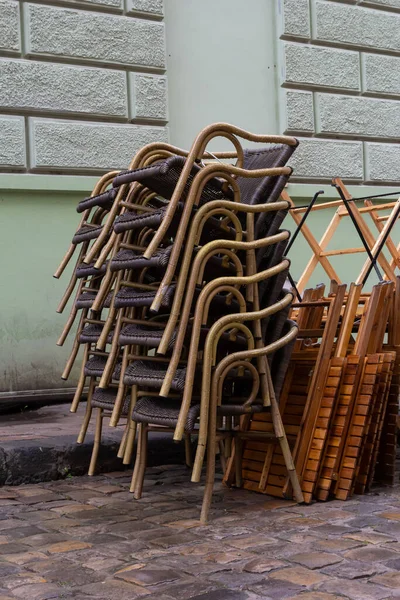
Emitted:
pixel 40 445
pixel 87 538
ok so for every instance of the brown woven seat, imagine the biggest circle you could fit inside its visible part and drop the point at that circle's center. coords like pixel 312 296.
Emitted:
pixel 94 367
pixel 86 233
pixel 163 411
pixel 104 200
pixel 128 297
pixel 128 259
pixel 86 299
pixel 129 220
pixel 83 270
pixel 105 399
pixel 163 176
pixel 90 334
pixel 144 336
pixel 151 374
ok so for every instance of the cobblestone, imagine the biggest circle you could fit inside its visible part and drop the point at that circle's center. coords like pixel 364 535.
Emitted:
pixel 65 540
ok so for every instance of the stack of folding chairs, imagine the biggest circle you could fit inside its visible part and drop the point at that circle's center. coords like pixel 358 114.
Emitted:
pixel 179 293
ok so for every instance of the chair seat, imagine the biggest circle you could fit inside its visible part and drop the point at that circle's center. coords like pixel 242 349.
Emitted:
pixel 86 233
pixel 149 337
pixel 83 270
pixel 129 259
pixel 163 176
pixel 86 299
pixel 90 334
pixel 151 374
pixel 130 221
pixel 104 200
pixel 105 399
pixel 128 296
pixel 163 411
pixel 95 366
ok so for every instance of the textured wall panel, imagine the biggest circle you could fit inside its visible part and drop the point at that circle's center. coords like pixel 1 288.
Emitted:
pixel 94 37
pixel 12 142
pixel 27 84
pixel 78 146
pixel 364 117
pixel 149 96
pixel 327 67
pixel 9 26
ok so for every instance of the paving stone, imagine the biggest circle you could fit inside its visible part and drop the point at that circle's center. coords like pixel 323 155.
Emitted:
pixel 237 580
pixel 355 590
pixel 174 540
pixel 114 590
pixel 371 554
pixel 73 508
pixel 8 494
pixel 68 546
pixel 103 538
pixel 10 524
pixel 7 569
pixel 338 545
pixel 393 564
pixel 251 541
pixel 24 557
pixel 12 548
pixel 390 579
pixel 102 563
pixel 315 560
pixel 223 595
pixel 392 516
pixel 298 575
pixel 22 578
pixel 38 591
pixel 192 589
pixel 391 528
pixel 365 521
pixel 147 577
pixel 260 565
pixel 21 533
pixel 317 596
pixel 276 589
pixel 370 537
pixel 353 569
pixel 333 529
pixel 62 523
pixel 44 539
pixel 225 558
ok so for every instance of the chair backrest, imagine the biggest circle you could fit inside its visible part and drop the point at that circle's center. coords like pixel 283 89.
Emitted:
pixel 163 176
pixel 265 189
pixel 280 360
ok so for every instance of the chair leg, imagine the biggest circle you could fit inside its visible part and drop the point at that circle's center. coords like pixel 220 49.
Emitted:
pixel 238 461
pixel 122 444
pixel 137 460
pixel 97 440
pixel 188 450
pixel 144 431
pixel 130 442
pixel 81 381
pixel 210 476
pixel 85 423
pixel 210 470
pixel 287 455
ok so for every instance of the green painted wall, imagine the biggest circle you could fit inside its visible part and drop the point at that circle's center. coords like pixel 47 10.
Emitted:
pixel 36 228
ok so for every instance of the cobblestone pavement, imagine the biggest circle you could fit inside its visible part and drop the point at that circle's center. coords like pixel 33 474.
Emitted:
pixel 87 538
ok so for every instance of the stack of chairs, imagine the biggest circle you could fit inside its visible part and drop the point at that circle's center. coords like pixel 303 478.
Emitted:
pixel 181 300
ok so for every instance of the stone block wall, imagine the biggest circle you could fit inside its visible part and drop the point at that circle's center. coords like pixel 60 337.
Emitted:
pixel 339 72
pixel 82 84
